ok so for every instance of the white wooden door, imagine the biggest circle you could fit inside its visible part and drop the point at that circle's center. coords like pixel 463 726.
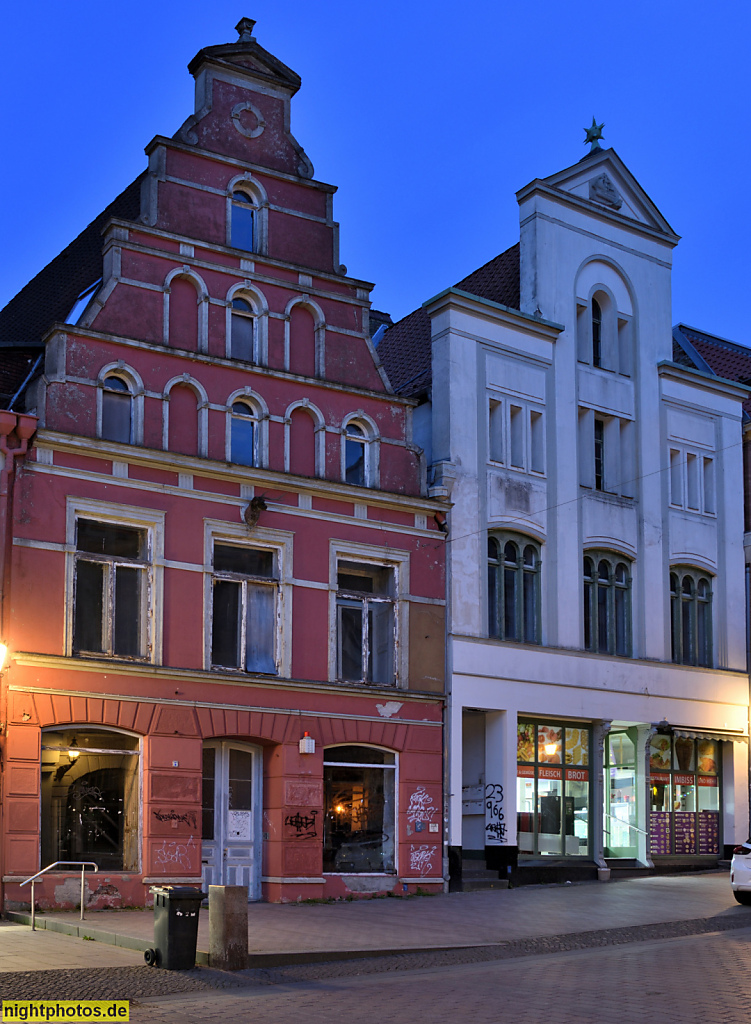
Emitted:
pixel 231 849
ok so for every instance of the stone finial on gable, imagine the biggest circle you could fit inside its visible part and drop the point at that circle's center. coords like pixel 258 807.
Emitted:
pixel 244 29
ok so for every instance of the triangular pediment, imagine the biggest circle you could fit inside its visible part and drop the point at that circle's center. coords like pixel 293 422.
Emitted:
pixel 603 181
pixel 248 56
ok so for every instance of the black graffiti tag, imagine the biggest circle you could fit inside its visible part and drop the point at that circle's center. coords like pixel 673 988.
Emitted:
pixel 303 824
pixel 495 820
pixel 188 818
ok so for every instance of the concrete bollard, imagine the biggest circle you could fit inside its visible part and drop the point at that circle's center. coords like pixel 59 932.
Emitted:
pixel 228 927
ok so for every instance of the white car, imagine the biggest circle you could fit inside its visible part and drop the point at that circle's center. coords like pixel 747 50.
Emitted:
pixel 740 873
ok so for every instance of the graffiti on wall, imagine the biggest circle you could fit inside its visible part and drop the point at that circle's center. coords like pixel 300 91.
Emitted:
pixel 421 859
pixel 303 825
pixel 175 818
pixel 495 819
pixel 421 806
pixel 174 855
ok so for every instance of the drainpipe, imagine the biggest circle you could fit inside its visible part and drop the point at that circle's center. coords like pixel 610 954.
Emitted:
pixel 16 430
pixel 748 670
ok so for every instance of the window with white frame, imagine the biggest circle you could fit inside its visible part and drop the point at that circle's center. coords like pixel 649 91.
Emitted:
pixel 243 228
pixel 607 455
pixel 117 410
pixel 365 623
pixel 691 616
pixel 692 479
pixel 515 434
pixel 111 584
pixel 244 603
pixel 244 441
pixel 359 455
pixel 242 331
pixel 607 603
pixel 514 588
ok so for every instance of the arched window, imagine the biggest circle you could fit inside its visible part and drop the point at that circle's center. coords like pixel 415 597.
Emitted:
pixel 356 456
pixel 243 222
pixel 242 331
pixel 607 604
pixel 596 333
pixel 691 617
pixel 514 589
pixel 243 435
pixel 117 410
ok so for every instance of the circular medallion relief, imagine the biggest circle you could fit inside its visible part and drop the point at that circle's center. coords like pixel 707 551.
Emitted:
pixel 252 124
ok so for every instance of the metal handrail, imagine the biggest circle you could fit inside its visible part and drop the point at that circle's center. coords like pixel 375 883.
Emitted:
pixel 82 864
pixel 626 823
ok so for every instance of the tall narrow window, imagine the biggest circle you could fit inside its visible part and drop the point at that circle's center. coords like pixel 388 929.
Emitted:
pixel 355 456
pixel 243 222
pixel 110 589
pixel 513 589
pixel 599 455
pixel 691 617
pixel 117 411
pixel 244 607
pixel 516 429
pixel 596 333
pixel 242 331
pixel 365 623
pixel 495 430
pixel 607 604
pixel 243 435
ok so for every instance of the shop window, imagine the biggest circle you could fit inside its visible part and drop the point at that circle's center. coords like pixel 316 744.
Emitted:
pixel 684 794
pixel 117 410
pixel 607 604
pixel 242 331
pixel 365 623
pixel 513 589
pixel 691 617
pixel 244 609
pixel 90 798
pixel 243 435
pixel 553 795
pixel 359 810
pixel 111 575
pixel 243 222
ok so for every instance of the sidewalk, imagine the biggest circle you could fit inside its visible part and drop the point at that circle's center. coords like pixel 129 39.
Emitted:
pixel 299 933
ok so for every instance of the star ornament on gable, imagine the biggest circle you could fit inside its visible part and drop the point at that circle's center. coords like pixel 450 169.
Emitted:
pixel 592 135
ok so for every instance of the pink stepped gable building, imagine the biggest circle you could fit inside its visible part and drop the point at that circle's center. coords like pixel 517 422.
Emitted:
pixel 223 578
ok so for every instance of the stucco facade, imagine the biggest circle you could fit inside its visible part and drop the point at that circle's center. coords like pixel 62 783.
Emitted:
pixel 224 589
pixel 597 661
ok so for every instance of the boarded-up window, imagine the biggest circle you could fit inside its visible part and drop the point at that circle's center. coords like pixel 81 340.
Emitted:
pixel 183 314
pixel 302 343
pixel 183 420
pixel 302 443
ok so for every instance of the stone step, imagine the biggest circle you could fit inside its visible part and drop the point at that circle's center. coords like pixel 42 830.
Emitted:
pixel 472 884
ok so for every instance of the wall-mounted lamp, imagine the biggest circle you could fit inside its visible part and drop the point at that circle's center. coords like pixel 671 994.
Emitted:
pixel 663 727
pixel 3 655
pixel 73 751
pixel 307 744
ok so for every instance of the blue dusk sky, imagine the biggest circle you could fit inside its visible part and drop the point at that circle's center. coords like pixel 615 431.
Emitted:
pixel 428 116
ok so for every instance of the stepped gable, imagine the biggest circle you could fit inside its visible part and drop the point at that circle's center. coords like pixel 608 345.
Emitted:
pixel 718 355
pixel 50 296
pixel 405 348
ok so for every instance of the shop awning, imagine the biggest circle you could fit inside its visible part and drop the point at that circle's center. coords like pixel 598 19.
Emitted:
pixel 711 734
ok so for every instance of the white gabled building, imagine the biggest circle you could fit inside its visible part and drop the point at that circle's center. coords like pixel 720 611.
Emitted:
pixel 597 644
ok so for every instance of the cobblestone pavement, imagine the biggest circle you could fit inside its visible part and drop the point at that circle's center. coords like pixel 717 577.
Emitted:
pixel 704 979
